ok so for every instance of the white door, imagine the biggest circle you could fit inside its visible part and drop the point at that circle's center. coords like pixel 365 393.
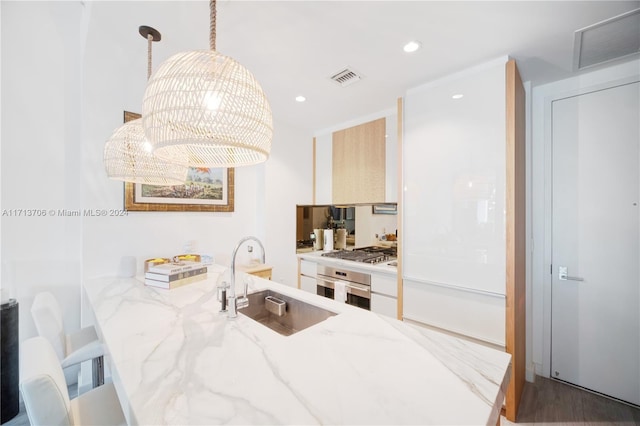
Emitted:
pixel 595 325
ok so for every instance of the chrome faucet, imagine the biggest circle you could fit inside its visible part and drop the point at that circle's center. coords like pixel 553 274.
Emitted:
pixel 242 302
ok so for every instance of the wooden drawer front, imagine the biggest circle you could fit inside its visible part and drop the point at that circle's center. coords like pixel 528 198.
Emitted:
pixel 266 273
pixel 308 269
pixel 384 284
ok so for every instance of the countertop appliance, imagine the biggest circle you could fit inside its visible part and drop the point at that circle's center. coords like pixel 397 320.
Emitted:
pixel 357 285
pixel 372 254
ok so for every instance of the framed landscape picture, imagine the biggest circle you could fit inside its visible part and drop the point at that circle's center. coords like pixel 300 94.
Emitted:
pixel 206 190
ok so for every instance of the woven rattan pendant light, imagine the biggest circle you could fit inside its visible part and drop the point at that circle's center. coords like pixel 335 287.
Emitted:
pixel 208 107
pixel 128 155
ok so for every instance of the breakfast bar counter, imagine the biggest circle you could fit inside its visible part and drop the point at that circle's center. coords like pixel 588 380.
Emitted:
pixel 175 359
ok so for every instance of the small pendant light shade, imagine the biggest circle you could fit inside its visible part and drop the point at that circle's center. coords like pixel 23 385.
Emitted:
pixel 208 107
pixel 128 157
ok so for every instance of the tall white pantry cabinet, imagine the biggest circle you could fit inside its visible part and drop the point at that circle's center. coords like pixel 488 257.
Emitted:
pixel 463 255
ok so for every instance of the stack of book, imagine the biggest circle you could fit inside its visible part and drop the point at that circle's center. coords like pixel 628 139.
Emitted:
pixel 172 275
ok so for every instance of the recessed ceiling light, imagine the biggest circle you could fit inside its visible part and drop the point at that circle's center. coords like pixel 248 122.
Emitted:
pixel 457 96
pixel 300 98
pixel 412 46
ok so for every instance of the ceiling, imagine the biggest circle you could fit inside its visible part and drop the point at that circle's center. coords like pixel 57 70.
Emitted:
pixel 293 47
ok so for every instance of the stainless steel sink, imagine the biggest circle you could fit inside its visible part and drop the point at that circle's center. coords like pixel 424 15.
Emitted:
pixel 283 314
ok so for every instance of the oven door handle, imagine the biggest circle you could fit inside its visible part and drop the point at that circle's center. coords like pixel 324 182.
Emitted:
pixel 360 287
pixel 324 282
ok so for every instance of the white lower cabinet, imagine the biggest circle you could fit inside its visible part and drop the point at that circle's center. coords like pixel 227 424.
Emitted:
pixel 308 272
pixel 308 268
pixel 384 287
pixel 384 291
pixel 384 305
pixel 308 284
pixel 384 284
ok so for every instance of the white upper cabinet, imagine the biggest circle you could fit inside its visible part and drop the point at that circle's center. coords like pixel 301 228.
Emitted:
pixel 391 178
pixel 324 174
pixel 454 179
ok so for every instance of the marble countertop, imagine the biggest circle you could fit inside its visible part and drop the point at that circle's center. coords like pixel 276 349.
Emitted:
pixel 175 360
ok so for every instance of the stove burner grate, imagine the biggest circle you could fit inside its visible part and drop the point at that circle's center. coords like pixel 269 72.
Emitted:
pixel 371 255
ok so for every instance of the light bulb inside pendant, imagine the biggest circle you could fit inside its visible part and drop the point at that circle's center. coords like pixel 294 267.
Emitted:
pixel 212 100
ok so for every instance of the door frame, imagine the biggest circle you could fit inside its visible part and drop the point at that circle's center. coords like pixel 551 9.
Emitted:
pixel 542 195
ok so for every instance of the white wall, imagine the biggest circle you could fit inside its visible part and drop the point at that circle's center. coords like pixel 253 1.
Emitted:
pixel 540 196
pixel 41 118
pixel 289 182
pixel 65 88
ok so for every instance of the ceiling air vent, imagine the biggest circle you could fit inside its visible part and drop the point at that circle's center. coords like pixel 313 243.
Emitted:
pixel 608 40
pixel 346 77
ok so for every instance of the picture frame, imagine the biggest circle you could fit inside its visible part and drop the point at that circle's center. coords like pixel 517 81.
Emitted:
pixel 148 198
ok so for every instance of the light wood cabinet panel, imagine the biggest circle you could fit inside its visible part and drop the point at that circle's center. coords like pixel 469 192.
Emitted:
pixel 358 163
pixel 516 237
pixel 259 270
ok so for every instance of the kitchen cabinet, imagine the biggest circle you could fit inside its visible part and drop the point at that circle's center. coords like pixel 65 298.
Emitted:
pixel 358 163
pixel 454 174
pixel 323 178
pixel 384 284
pixel 259 270
pixel 463 212
pixel 308 284
pixel 384 292
pixel 307 272
pixel 384 305
pixel 454 251
pixel 329 178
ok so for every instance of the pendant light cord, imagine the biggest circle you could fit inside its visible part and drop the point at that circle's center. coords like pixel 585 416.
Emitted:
pixel 212 24
pixel 149 41
pixel 151 34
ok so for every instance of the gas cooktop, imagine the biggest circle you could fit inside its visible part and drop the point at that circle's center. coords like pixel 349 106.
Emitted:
pixel 364 254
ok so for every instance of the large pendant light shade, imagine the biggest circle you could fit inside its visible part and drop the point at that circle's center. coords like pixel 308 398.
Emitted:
pixel 209 108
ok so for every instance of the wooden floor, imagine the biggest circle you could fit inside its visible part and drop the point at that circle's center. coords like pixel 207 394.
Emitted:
pixel 554 403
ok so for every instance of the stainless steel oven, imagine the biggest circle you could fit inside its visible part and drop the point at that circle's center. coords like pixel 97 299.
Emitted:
pixel 357 285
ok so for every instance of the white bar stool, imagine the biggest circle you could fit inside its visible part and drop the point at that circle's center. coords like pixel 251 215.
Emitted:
pixel 82 345
pixel 46 397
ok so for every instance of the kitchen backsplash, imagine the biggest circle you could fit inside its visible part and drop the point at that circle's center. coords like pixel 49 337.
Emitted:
pixel 364 227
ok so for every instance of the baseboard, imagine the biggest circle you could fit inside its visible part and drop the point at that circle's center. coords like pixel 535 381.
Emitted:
pixel 530 372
